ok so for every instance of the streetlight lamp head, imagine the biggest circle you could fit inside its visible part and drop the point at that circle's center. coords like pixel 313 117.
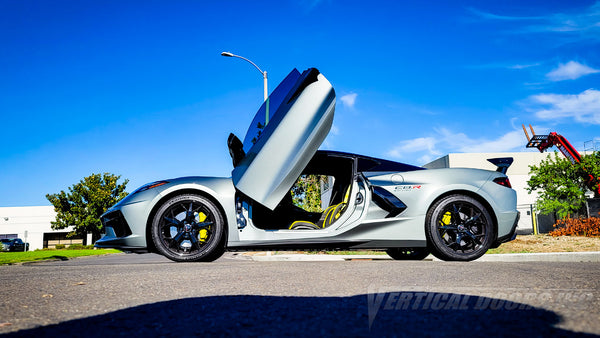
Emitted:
pixel 264 74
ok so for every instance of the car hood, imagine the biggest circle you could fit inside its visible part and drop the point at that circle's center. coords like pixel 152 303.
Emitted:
pixel 283 136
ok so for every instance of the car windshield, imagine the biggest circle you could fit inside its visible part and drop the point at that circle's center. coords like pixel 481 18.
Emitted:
pixel 5 240
pixel 269 108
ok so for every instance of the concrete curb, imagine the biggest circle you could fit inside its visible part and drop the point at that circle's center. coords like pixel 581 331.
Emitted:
pixel 590 256
pixel 593 256
pixel 315 258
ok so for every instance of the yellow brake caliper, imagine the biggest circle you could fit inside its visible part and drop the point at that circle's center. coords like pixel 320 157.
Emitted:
pixel 446 219
pixel 203 233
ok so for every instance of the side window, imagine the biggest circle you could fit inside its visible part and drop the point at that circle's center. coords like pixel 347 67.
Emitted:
pixel 312 192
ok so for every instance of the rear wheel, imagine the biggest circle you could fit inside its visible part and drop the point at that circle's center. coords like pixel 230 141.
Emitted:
pixel 459 228
pixel 408 254
pixel 189 228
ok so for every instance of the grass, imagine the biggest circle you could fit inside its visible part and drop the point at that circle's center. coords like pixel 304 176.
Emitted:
pixel 32 256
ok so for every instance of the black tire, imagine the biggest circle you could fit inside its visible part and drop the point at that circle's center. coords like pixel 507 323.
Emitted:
pixel 408 254
pixel 189 228
pixel 459 228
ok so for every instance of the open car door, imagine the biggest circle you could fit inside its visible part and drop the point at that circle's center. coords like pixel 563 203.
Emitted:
pixel 284 135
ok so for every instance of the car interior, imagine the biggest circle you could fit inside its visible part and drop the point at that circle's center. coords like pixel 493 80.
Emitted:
pixel 333 174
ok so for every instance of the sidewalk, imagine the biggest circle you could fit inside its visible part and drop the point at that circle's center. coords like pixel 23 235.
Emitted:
pixel 593 256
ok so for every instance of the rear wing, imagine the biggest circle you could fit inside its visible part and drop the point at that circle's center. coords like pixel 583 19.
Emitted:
pixel 502 163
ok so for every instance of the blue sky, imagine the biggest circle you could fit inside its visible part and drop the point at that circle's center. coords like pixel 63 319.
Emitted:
pixel 139 88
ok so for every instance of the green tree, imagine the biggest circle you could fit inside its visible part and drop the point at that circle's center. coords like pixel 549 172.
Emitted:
pixel 561 185
pixel 85 201
pixel 306 192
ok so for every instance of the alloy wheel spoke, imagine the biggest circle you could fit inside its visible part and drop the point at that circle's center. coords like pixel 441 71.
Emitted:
pixel 473 218
pixel 455 214
pixel 202 225
pixel 172 220
pixel 459 238
pixel 469 234
pixel 179 237
pixel 194 240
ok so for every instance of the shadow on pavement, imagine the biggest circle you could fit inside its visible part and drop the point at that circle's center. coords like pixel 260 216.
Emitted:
pixel 390 314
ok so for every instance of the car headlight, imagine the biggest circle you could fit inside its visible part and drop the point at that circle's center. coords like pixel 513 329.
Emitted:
pixel 149 186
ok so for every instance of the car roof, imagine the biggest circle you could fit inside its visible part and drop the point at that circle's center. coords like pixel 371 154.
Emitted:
pixel 372 164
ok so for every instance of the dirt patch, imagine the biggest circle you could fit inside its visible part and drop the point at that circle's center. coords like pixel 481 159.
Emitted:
pixel 545 243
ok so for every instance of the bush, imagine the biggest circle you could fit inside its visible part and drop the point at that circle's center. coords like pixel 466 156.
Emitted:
pixel 59 246
pixel 79 247
pixel 588 227
pixel 75 247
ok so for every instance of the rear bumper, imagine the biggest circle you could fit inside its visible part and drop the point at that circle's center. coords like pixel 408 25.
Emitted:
pixel 511 235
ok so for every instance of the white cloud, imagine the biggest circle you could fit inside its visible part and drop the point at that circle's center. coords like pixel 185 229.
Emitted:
pixel 334 130
pixel 570 71
pixel 415 145
pixel 523 66
pixel 348 100
pixel 491 16
pixel 581 25
pixel 504 65
pixel 583 107
pixel 507 142
pixel 460 142
pixel 329 142
pixel 446 141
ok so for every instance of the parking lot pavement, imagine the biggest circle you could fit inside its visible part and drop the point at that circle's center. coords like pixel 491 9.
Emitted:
pixel 147 295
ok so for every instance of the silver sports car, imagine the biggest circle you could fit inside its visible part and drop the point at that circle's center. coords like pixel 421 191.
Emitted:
pixel 285 194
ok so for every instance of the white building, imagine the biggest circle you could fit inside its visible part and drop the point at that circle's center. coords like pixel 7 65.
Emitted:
pixel 32 225
pixel 518 174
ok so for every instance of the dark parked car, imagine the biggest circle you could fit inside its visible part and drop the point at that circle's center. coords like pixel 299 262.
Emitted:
pixel 14 244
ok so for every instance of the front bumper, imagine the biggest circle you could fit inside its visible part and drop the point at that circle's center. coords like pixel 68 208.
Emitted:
pixel 118 233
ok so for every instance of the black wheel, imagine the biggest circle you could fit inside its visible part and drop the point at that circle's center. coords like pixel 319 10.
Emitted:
pixel 189 228
pixel 408 254
pixel 459 228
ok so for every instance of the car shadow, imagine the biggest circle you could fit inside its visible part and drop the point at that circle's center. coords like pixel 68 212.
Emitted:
pixel 375 314
pixel 62 258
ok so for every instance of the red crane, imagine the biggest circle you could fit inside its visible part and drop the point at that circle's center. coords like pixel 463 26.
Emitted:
pixel 543 142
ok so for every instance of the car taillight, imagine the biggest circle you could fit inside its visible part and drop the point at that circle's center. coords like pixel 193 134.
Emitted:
pixel 504 181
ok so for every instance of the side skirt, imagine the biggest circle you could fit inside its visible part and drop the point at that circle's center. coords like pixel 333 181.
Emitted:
pixel 329 245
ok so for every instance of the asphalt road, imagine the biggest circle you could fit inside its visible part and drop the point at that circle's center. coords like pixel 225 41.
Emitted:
pixel 147 295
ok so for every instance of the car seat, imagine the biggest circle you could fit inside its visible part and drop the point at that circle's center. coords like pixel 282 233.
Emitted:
pixel 328 217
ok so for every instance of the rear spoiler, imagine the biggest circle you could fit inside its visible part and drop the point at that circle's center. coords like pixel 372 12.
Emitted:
pixel 502 163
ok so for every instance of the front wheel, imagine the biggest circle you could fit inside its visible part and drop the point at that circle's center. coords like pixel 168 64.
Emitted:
pixel 189 228
pixel 407 254
pixel 459 228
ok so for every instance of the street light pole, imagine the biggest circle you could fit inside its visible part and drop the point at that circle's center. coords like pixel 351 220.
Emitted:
pixel 265 85
pixel 264 73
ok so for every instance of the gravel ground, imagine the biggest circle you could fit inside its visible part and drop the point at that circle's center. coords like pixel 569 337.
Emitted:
pixel 546 243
